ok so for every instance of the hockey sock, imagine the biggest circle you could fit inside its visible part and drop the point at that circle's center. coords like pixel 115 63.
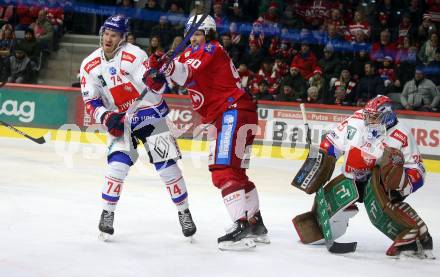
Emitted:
pixel 173 179
pixel 234 200
pixel 112 188
pixel 252 202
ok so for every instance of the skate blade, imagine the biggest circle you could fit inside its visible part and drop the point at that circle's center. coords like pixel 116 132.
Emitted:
pixel 264 239
pixel 104 236
pixel 426 254
pixel 243 244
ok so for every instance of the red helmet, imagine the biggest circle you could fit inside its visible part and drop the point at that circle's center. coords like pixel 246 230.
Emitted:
pixel 379 110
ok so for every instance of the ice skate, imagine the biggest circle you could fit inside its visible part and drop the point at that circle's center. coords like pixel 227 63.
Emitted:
pixel 236 237
pixel 187 223
pixel 421 249
pixel 258 230
pixel 106 225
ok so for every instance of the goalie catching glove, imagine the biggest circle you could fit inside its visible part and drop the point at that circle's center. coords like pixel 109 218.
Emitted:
pixel 391 169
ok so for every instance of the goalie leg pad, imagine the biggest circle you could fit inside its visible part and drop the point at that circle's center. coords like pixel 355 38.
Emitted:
pixel 398 221
pixel 307 228
pixel 340 193
pixel 315 172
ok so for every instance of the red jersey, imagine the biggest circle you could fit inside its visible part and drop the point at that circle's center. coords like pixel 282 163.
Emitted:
pixel 211 79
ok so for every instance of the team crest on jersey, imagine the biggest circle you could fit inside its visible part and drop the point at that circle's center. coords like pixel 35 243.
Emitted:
pixel 351 131
pixel 187 54
pixel 92 64
pixel 209 48
pixel 197 99
pixel 128 57
pixel 400 137
pixel 112 70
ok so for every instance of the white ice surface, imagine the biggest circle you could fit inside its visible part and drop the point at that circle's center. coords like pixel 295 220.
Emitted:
pixel 50 207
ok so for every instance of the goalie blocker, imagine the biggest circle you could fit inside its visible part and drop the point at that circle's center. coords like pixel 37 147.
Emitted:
pixel 315 172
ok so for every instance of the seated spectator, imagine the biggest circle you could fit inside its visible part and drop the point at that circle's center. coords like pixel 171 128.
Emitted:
pixel 7 41
pixel 55 15
pixel 358 64
pixel 313 95
pixel 220 18
pixel 265 73
pixel 231 49
pixel 343 90
pixel 20 67
pixel 317 81
pixel 253 56
pixel 406 65
pixel 236 37
pixel 387 73
pixel 262 93
pixel 176 17
pixel 305 60
pixel 30 45
pixel 131 38
pixel 43 30
pixel 426 28
pixel 281 47
pixel 246 77
pixel 427 51
pixel 433 68
pixel 236 14
pixel 257 33
pixel 27 13
pixel 177 40
pixel 406 29
pixel 272 16
pixel 359 24
pixel 163 31
pixel 331 66
pixel 383 48
pixel 369 86
pixel 420 93
pixel 155 45
pixel 381 24
pixel 6 12
pixel 292 87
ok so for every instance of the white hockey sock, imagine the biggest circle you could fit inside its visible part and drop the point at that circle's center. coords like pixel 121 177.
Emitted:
pixel 252 203
pixel 173 179
pixel 111 191
pixel 235 203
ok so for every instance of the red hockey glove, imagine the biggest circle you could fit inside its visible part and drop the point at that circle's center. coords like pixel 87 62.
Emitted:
pixel 114 123
pixel 155 80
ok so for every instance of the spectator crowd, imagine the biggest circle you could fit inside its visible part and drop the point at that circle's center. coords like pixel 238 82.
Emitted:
pixel 340 52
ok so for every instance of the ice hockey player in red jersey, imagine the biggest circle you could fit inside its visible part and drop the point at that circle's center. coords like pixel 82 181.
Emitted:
pixel 112 78
pixel 214 87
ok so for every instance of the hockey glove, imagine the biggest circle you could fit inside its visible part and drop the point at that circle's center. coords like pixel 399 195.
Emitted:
pixel 155 80
pixel 391 168
pixel 114 123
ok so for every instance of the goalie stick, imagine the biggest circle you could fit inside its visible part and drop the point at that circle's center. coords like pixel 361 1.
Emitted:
pixel 39 140
pixel 332 246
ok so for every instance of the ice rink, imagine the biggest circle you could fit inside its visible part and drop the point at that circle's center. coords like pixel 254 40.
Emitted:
pixel 50 207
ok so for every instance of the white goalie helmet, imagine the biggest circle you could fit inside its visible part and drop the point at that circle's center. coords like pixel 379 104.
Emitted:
pixel 207 24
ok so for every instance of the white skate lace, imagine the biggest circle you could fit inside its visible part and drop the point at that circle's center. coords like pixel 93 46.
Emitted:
pixel 108 219
pixel 185 220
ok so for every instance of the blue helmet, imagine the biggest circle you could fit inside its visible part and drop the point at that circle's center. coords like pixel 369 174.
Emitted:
pixel 117 23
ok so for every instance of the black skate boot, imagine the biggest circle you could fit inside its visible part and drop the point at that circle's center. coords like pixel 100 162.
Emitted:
pixel 258 230
pixel 421 249
pixel 106 225
pixel 236 237
pixel 187 223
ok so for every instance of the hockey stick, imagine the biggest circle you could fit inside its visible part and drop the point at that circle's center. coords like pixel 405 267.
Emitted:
pixel 171 55
pixel 332 246
pixel 39 140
